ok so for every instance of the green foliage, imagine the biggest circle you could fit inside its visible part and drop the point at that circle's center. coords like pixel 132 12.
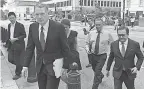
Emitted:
pixel 3 2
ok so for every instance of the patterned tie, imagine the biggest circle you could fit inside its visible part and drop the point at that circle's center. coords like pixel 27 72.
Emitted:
pixel 97 44
pixel 42 40
pixel 123 49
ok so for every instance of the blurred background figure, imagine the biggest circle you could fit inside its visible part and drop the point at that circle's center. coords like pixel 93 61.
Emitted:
pixel 116 22
pixel 132 21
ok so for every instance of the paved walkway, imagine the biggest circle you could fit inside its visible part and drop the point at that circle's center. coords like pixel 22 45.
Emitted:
pixel 6 81
pixel 7 71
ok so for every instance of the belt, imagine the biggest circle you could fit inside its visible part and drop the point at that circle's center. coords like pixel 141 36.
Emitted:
pixel 99 54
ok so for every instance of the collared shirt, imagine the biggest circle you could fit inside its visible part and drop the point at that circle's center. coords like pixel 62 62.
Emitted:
pixel 125 45
pixel 45 30
pixel 105 40
pixel 12 27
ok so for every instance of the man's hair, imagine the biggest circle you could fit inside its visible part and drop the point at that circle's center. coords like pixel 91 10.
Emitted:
pixel 40 5
pixel 91 19
pixel 66 22
pixel 123 28
pixel 11 13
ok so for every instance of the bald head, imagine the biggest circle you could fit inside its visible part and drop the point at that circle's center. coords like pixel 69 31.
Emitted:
pixel 99 24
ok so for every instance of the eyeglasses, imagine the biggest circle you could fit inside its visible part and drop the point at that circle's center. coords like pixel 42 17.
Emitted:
pixel 121 35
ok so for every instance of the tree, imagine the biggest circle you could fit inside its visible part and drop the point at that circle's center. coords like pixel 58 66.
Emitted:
pixel 3 2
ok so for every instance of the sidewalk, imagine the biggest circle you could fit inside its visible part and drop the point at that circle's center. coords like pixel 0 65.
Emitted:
pixel 6 81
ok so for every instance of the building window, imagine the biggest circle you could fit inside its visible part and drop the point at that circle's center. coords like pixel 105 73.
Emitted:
pixel 119 4
pixel 69 2
pixel 64 3
pixel 51 5
pixel 85 2
pixel 58 4
pixel 101 3
pixel 141 2
pixel 81 2
pixel 116 4
pixel 113 4
pixel 88 2
pixel 105 3
pixel 92 3
pixel 108 3
pixel 61 4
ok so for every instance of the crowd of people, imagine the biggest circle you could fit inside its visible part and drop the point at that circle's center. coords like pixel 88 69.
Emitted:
pixel 57 49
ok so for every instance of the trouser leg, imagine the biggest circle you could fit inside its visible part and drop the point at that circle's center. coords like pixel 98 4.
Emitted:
pixel 98 68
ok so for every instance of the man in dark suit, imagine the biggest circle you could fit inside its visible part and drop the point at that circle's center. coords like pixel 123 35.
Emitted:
pixel 124 51
pixel 50 41
pixel 15 43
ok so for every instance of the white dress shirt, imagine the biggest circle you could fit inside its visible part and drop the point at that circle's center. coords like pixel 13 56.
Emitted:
pixel 12 30
pixel 125 45
pixel 45 30
pixel 105 40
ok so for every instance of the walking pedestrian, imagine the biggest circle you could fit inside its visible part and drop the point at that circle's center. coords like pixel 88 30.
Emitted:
pixel 99 41
pixel 132 21
pixel 86 32
pixel 123 51
pixel 116 22
pixel 50 41
pixel 15 43
pixel 72 42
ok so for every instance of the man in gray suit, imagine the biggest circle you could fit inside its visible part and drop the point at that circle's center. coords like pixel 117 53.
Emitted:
pixel 124 51
pixel 50 41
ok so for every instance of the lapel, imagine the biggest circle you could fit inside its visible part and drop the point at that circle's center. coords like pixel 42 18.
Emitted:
pixel 15 28
pixel 36 32
pixel 129 46
pixel 50 28
pixel 118 50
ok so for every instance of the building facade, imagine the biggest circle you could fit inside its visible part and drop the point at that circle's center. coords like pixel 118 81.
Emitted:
pixel 69 5
pixel 134 7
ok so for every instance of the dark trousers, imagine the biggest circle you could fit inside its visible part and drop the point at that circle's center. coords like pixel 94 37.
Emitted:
pixel 90 58
pixel 132 24
pixel 46 81
pixel 124 78
pixel 14 56
pixel 98 62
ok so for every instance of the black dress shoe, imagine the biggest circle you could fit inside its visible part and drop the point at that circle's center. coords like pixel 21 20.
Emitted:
pixel 16 77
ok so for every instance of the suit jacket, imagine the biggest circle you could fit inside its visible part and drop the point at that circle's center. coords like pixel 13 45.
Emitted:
pixel 127 61
pixel 55 47
pixel 19 32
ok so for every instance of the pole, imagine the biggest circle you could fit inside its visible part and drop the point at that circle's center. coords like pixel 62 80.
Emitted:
pixel 123 12
pixel 55 10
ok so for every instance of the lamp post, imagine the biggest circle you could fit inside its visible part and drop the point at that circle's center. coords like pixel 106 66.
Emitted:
pixel 123 12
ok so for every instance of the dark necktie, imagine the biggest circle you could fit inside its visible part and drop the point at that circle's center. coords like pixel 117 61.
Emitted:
pixel 97 44
pixel 123 49
pixel 42 40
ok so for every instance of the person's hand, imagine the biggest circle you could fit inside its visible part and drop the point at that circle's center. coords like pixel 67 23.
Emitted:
pixel 134 70
pixel 107 73
pixel 13 40
pixel 88 51
pixel 25 72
